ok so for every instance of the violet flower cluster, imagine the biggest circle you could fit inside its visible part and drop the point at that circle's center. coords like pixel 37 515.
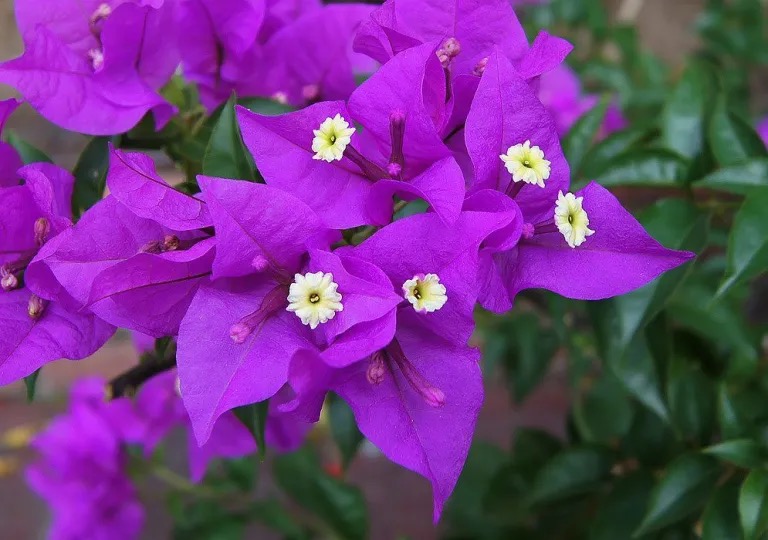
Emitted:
pixel 308 284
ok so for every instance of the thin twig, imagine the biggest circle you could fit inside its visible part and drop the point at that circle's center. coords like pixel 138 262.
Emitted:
pixel 127 383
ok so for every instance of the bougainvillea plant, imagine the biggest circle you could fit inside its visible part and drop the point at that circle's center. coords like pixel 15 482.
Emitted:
pixel 342 194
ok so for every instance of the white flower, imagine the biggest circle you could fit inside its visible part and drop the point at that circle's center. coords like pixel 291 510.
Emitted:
pixel 314 298
pixel 425 293
pixel 571 219
pixel 526 163
pixel 331 139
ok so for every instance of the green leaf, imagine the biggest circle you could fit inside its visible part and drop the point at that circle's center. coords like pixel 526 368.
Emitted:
pixel 739 179
pixel 464 510
pixel 339 505
pixel 677 224
pixel 27 152
pixel 344 429
pixel 582 134
pixel 91 174
pixel 721 516
pixel 254 417
pixel 685 487
pixel 529 354
pixel 733 140
pixel 30 382
pixel 753 505
pixel 268 107
pixel 741 452
pixel 604 412
pixel 533 447
pixel 574 471
pixel 226 155
pixel 691 399
pixel 600 157
pixel 621 510
pixel 272 514
pixel 748 241
pixel 648 167
pixel 733 422
pixel 684 117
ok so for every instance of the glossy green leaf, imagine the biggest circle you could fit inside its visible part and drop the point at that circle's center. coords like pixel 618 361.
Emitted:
pixel 604 412
pixel 748 242
pixel 339 505
pixel 677 224
pixel 733 140
pixel 91 174
pixel 651 167
pixel 684 488
pixel 683 120
pixel 721 516
pixel 30 383
pixel 269 107
pixel 344 429
pixel 530 351
pixel 226 155
pixel 254 417
pixel 691 400
pixel 621 510
pixel 27 152
pixel 572 472
pixel 733 422
pixel 753 505
pixel 582 134
pixel 600 157
pixel 739 179
pixel 742 452
pixel 465 510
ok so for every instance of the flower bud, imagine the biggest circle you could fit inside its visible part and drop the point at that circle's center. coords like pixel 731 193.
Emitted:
pixel 171 243
pixel 42 229
pixel 239 332
pixel 528 230
pixel 36 307
pixel 377 370
pixel 8 280
pixel 259 262
pixel 310 92
pixel 480 67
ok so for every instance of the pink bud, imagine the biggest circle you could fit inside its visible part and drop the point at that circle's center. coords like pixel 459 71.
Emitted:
pixel 170 243
pixel 42 229
pixel 259 262
pixel 528 230
pixel 480 67
pixel 280 97
pixel 239 332
pixel 36 307
pixel 394 170
pixel 8 281
pixel 377 370
pixel 96 58
pixel 452 47
pixel 310 92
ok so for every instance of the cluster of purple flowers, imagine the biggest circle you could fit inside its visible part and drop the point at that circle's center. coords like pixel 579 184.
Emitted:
pixel 266 287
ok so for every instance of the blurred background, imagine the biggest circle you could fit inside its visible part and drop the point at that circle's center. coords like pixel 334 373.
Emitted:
pixel 664 35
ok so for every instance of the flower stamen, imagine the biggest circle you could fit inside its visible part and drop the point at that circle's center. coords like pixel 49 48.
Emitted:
pixel 331 139
pixel 571 219
pixel 425 293
pixel 526 163
pixel 314 298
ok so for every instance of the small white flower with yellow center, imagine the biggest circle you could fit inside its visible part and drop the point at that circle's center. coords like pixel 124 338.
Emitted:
pixel 526 163
pixel 571 219
pixel 314 298
pixel 332 139
pixel 425 293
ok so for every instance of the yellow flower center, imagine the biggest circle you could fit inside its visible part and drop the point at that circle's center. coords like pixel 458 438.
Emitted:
pixel 314 298
pixel 571 219
pixel 526 163
pixel 425 293
pixel 331 139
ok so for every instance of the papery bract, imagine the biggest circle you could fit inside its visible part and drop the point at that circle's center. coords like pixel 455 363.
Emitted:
pixel 417 397
pixel 617 258
pixel 400 151
pixel 135 258
pixel 38 329
pixel 94 67
pixel 82 470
